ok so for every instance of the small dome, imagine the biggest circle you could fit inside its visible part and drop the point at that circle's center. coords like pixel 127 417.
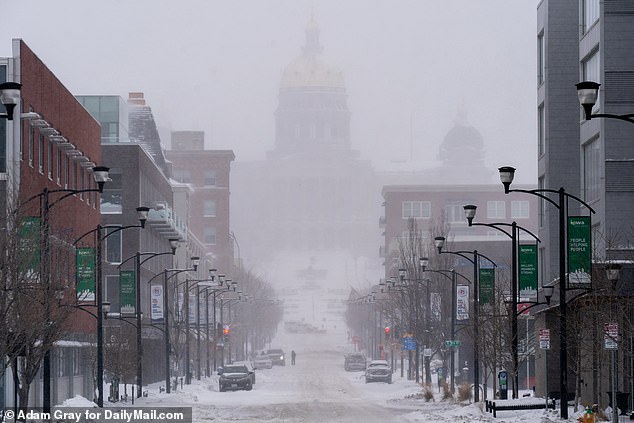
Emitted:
pixel 462 144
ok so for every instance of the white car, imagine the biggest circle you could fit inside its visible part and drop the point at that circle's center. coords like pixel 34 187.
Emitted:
pixel 378 371
pixel 262 362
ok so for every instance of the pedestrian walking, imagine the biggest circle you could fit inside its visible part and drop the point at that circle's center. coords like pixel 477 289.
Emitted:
pixel 293 355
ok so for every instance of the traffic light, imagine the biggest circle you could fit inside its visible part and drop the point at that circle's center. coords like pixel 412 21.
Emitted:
pixel 387 330
pixel 225 332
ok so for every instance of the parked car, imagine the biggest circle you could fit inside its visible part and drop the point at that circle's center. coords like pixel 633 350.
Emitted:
pixel 277 356
pixel 262 362
pixel 234 377
pixel 354 362
pixel 249 367
pixel 378 371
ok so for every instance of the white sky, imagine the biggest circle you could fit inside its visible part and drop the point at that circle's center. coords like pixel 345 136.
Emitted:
pixel 213 65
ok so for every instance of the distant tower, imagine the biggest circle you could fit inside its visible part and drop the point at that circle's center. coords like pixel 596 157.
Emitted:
pixel 312 116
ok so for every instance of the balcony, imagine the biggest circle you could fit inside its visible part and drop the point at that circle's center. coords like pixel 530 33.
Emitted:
pixel 163 219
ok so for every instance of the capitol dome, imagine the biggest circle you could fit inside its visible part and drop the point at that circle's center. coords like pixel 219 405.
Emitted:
pixel 309 70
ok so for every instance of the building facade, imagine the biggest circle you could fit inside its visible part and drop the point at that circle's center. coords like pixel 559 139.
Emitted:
pixel 208 174
pixel 577 41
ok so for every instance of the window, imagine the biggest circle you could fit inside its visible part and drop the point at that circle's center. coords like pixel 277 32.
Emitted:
pixel 416 209
pixel 113 245
pixel 209 208
pixel 111 198
pixel 541 58
pixel 111 290
pixel 40 154
pixel 520 209
pixel 80 173
pixel 496 210
pixel 210 236
pixel 542 202
pixel 541 130
pixel 455 212
pixel 210 178
pixel 184 176
pixel 31 145
pixel 58 169
pixel 49 160
pixel 67 171
pixel 591 170
pixel 589 13
pixel 591 71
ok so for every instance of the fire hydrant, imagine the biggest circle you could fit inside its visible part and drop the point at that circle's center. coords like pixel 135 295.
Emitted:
pixel 587 417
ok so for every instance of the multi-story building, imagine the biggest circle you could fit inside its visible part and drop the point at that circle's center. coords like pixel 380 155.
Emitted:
pixel 53 145
pixel 207 172
pixel 587 40
pixel 438 210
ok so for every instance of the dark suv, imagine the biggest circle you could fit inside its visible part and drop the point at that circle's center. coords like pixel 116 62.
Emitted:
pixel 354 362
pixel 234 377
pixel 277 356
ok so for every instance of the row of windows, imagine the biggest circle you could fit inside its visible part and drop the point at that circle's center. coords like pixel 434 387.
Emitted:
pixel 455 211
pixel 58 165
pixel 185 176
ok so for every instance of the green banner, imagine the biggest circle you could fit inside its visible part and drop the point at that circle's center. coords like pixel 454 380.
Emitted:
pixel 487 283
pixel 85 259
pixel 30 245
pixel 528 271
pixel 127 291
pixel 579 250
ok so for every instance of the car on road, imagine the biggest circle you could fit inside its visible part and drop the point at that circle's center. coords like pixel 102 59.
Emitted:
pixel 262 362
pixel 277 356
pixel 234 377
pixel 378 371
pixel 354 362
pixel 250 367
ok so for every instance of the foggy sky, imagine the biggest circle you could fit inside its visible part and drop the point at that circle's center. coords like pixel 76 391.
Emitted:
pixel 410 67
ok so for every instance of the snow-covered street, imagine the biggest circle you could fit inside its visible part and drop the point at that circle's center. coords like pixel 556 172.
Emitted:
pixel 318 389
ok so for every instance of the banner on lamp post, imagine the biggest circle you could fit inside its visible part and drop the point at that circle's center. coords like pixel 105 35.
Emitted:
pixel 487 283
pixel 156 302
pixel 436 306
pixel 192 308
pixel 579 250
pixel 528 271
pixel 85 264
pixel 30 245
pixel 127 291
pixel 462 302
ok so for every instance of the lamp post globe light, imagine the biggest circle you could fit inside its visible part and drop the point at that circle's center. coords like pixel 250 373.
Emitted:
pixel 507 174
pixel 9 97
pixel 588 93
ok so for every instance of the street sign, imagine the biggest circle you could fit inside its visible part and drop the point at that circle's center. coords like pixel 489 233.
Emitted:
pixel 452 343
pixel 610 336
pixel 544 339
pixel 427 352
pixel 409 344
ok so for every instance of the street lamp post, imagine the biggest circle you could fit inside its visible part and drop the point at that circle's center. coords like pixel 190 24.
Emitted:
pixel 139 261
pixel 142 213
pixel 470 212
pixel 507 174
pixel 439 242
pixel 100 175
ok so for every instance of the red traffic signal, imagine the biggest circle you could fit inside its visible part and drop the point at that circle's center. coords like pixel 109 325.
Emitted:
pixel 225 330
pixel 387 330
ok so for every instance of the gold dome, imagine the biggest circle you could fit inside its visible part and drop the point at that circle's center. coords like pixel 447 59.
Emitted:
pixel 308 70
